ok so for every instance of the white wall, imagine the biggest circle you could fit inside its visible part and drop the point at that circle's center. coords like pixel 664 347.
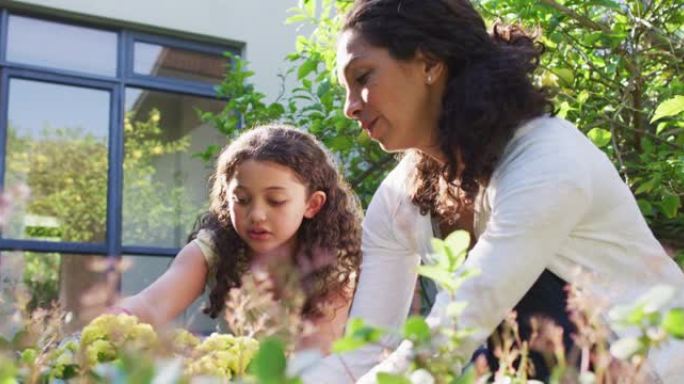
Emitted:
pixel 259 24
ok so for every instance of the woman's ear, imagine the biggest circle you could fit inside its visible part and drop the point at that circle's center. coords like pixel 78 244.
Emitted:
pixel 433 68
pixel 314 204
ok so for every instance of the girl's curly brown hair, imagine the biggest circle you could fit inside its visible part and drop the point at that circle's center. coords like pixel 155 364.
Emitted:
pixel 335 228
pixel 488 92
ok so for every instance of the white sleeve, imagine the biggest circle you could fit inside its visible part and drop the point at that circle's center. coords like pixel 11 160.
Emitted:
pixel 384 293
pixel 536 202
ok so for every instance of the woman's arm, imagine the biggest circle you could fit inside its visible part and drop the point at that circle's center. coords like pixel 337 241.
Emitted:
pixel 173 291
pixel 537 199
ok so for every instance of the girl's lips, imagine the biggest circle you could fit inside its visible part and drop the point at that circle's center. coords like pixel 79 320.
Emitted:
pixel 258 234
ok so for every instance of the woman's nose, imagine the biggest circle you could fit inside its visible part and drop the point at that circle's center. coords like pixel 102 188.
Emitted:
pixel 352 106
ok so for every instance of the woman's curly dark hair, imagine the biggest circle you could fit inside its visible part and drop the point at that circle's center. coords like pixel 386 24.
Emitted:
pixel 335 228
pixel 488 92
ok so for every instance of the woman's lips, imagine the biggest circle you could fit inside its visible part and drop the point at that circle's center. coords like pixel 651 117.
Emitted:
pixel 369 127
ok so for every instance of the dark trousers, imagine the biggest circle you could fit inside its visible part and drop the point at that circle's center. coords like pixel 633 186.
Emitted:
pixel 546 298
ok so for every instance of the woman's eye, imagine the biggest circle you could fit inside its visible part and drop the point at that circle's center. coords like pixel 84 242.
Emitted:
pixel 363 79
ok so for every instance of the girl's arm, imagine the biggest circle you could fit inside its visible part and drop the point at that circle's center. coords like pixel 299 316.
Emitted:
pixel 173 291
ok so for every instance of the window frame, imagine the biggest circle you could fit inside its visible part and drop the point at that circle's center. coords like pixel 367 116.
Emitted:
pixel 116 85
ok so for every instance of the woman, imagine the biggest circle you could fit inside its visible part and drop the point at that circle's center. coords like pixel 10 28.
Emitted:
pixel 424 77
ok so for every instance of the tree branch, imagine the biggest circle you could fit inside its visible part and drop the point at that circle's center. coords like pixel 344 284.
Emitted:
pixel 372 169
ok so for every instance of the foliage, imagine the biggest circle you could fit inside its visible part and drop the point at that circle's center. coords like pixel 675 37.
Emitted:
pixel 436 356
pixel 615 68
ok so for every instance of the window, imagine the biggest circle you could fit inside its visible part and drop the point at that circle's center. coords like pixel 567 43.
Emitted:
pixel 101 124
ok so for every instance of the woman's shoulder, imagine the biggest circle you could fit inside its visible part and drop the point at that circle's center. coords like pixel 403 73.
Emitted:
pixel 548 151
pixel 548 144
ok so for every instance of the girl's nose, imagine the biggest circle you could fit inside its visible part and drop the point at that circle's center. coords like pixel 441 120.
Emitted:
pixel 257 215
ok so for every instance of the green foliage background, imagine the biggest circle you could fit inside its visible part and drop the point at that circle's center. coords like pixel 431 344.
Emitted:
pixel 613 67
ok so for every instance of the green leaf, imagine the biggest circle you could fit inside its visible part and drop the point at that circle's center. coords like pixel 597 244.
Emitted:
pixel 648 185
pixel 416 329
pixel 307 67
pixel 439 275
pixel 599 136
pixel 269 362
pixel 669 107
pixel 354 325
pixel 341 143
pixel 356 335
pixel 608 4
pixel 670 204
pixel 390 378
pixel 469 376
pixel 347 344
pixel 674 323
pixel 28 356
pixel 566 75
pixel 564 109
pixel 645 207
pixel 296 18
pixel 458 242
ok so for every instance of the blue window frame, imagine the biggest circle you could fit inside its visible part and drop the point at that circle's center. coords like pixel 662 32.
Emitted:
pixel 116 86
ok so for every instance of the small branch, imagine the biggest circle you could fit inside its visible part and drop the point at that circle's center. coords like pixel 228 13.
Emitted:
pixel 581 19
pixel 618 155
pixel 646 133
pixel 372 169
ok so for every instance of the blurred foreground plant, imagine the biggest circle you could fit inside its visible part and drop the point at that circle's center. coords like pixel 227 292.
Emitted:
pixel 598 359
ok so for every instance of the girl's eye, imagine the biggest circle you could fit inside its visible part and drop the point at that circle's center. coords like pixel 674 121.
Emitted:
pixel 277 203
pixel 240 200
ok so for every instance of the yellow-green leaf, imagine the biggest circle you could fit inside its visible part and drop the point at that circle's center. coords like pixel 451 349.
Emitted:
pixel 566 75
pixel 599 136
pixel 669 107
pixel 674 323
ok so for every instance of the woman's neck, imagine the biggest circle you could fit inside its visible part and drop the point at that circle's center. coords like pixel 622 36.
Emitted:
pixel 434 152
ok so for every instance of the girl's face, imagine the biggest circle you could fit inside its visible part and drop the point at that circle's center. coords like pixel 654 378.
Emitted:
pixel 397 102
pixel 267 204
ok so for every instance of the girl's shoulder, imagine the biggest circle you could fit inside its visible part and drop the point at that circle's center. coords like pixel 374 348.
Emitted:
pixel 205 241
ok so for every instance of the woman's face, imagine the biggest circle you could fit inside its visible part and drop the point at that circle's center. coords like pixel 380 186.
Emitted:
pixel 397 102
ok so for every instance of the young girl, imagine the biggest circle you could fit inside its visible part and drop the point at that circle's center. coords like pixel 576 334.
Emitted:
pixel 277 199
